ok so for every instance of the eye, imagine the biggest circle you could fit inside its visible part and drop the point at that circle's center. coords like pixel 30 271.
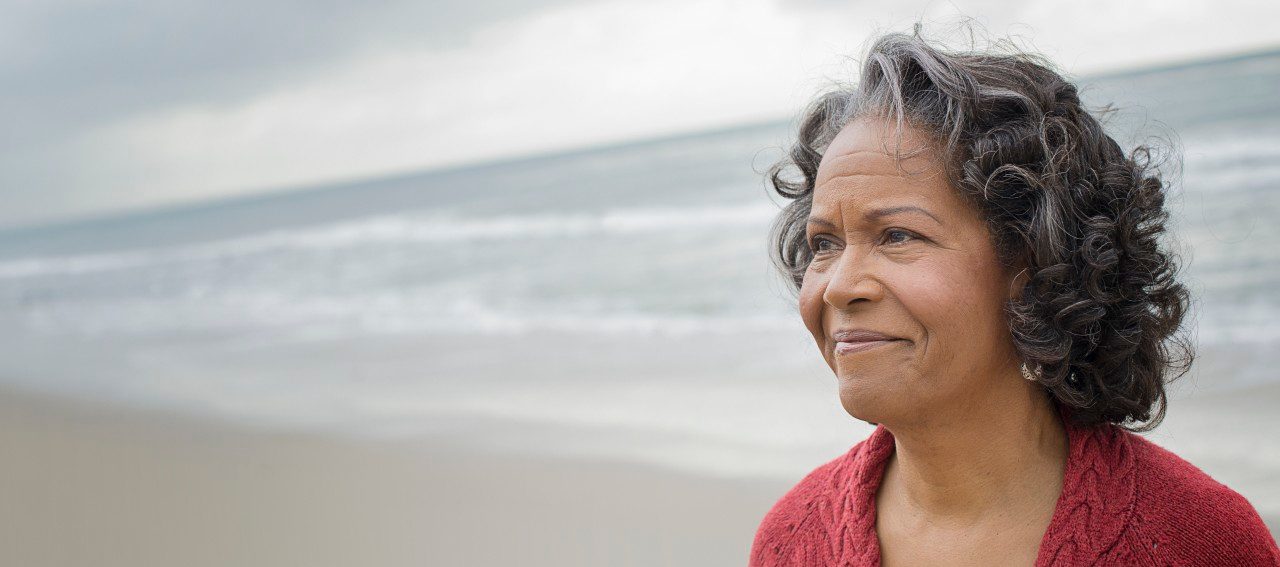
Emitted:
pixel 821 244
pixel 898 236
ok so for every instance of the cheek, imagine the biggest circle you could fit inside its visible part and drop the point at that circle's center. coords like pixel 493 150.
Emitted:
pixel 955 303
pixel 811 303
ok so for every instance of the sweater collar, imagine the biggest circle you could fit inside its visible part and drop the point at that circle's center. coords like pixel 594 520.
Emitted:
pixel 1096 504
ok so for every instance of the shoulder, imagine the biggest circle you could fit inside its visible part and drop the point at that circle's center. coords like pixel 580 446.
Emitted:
pixel 1186 513
pixel 796 521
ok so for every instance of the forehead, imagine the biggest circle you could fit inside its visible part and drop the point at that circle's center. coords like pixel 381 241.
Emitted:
pixel 868 160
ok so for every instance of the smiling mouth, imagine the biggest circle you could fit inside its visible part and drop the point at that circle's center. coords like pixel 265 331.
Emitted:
pixel 860 346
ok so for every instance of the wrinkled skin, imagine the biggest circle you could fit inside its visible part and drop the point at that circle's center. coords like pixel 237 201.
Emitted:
pixel 929 277
pixel 979 452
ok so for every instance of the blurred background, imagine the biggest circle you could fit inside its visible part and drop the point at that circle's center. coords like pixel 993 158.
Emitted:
pixel 481 283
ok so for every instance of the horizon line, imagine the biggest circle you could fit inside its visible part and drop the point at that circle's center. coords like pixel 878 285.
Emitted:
pixel 292 190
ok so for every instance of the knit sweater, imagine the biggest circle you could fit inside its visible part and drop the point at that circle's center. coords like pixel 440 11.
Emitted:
pixel 1124 501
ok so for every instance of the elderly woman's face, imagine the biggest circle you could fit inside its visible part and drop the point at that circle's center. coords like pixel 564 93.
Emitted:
pixel 905 294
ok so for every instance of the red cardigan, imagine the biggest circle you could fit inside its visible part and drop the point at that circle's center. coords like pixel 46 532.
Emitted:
pixel 1125 501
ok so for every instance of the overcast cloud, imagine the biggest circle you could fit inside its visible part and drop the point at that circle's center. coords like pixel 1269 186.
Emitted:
pixel 109 106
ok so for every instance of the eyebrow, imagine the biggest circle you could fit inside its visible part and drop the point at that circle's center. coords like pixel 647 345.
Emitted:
pixel 874 214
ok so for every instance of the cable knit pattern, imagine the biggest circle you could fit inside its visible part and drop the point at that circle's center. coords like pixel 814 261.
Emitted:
pixel 1090 518
pixel 1125 501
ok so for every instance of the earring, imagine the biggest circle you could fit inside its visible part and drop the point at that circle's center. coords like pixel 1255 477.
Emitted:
pixel 1027 373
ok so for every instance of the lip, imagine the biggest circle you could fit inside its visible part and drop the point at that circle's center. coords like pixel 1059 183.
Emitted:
pixel 849 341
pixel 860 335
pixel 850 348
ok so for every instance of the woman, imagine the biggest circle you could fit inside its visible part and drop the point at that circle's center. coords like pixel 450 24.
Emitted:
pixel 980 265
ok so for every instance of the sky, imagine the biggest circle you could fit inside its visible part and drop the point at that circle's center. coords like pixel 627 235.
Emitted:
pixel 118 106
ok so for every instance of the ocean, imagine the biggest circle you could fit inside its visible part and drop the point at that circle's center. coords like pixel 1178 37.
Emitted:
pixel 613 302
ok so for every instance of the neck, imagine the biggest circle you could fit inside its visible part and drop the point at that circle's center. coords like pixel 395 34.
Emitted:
pixel 1005 455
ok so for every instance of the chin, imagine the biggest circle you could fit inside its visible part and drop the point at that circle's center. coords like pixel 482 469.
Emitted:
pixel 864 401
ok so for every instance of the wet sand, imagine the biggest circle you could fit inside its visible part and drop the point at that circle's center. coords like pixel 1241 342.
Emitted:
pixel 86 485
pixel 92 485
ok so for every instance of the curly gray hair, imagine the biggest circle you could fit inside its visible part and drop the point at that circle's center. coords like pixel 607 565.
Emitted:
pixel 1101 311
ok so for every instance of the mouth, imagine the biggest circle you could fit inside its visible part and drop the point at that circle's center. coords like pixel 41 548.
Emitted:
pixel 851 347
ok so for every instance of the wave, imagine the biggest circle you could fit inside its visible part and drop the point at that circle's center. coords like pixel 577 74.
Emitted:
pixel 1231 148
pixel 275 319
pixel 408 229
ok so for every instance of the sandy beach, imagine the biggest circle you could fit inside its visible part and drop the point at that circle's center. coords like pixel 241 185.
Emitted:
pixel 94 485
pixel 88 485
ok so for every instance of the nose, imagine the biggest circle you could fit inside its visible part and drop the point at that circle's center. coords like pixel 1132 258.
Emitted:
pixel 852 281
